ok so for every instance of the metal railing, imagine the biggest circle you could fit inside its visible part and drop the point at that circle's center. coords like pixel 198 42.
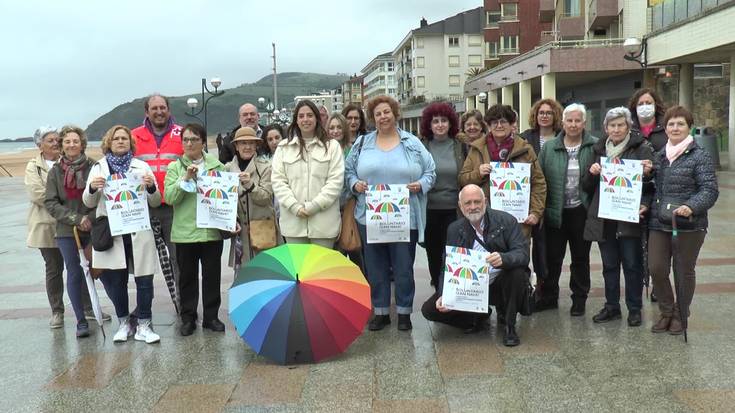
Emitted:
pixel 509 50
pixel 670 12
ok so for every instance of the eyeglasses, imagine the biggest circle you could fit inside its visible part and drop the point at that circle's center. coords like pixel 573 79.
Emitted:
pixel 190 140
pixel 546 113
pixel 499 122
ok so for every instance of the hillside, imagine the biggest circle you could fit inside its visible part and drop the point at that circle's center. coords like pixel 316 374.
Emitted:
pixel 222 111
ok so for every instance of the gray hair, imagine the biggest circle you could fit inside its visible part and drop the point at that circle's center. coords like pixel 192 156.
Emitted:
pixel 575 107
pixel 616 113
pixel 41 133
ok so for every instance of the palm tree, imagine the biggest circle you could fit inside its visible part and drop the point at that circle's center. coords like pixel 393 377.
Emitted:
pixel 474 71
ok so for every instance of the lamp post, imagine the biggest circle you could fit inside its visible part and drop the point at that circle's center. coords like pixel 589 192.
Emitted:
pixel 193 103
pixel 635 50
pixel 269 107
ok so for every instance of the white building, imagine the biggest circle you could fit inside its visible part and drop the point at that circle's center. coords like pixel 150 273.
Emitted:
pixel 432 61
pixel 380 76
pixel 331 99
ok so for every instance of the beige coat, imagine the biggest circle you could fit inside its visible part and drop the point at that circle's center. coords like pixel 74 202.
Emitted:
pixel 313 183
pixel 256 199
pixel 145 254
pixel 41 225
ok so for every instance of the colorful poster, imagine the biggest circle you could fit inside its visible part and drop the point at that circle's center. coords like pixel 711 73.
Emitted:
pixel 621 185
pixel 467 279
pixel 387 213
pixel 217 200
pixel 126 203
pixel 510 188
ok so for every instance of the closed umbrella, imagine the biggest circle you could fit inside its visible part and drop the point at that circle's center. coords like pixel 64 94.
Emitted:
pixel 165 261
pixel 85 261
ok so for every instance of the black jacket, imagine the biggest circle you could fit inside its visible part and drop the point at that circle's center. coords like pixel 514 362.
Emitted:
pixel 227 151
pixel 637 149
pixel 502 234
pixel 533 137
pixel 657 138
pixel 690 180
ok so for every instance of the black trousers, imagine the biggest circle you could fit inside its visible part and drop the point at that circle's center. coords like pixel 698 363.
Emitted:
pixel 506 294
pixel 188 256
pixel 435 239
pixel 538 251
pixel 571 232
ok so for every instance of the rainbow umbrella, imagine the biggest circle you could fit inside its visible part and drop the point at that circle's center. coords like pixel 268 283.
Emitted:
pixel 299 303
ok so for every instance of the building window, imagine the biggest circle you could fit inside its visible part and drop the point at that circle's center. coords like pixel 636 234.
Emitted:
pixel 420 81
pixel 420 61
pixel 493 17
pixel 419 43
pixel 391 78
pixel 475 40
pixel 491 50
pixel 474 60
pixel 707 71
pixel 571 7
pixel 453 41
pixel 453 61
pixel 509 45
pixel 390 66
pixel 453 80
pixel 509 11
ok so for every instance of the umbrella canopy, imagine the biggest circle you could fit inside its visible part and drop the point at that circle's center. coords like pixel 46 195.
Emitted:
pixel 299 303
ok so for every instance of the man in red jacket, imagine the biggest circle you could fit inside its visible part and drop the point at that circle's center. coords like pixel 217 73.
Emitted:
pixel 158 142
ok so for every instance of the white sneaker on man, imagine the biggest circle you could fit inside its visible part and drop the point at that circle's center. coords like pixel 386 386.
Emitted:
pixel 123 332
pixel 57 320
pixel 145 332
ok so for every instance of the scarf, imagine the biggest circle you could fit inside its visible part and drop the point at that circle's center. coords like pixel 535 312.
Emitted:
pixel 614 151
pixel 674 151
pixel 74 180
pixel 119 164
pixel 495 150
pixel 242 163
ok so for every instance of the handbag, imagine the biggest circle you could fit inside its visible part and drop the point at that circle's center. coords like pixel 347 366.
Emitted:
pixel 262 233
pixel 666 215
pixel 349 237
pixel 100 234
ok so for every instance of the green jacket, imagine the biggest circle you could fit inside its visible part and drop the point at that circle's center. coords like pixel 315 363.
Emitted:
pixel 184 228
pixel 554 161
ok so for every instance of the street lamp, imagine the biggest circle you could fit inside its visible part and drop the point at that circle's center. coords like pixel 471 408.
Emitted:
pixel 270 108
pixel 193 103
pixel 635 50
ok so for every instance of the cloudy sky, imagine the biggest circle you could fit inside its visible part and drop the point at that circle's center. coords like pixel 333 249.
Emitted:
pixel 72 61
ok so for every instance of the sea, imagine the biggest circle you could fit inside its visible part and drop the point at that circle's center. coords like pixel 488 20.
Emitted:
pixel 14 147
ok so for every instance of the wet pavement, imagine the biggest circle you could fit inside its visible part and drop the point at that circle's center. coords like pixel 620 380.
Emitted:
pixel 564 364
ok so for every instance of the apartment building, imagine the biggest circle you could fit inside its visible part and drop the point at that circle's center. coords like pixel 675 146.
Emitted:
pixel 380 76
pixel 353 90
pixel 513 27
pixel 331 99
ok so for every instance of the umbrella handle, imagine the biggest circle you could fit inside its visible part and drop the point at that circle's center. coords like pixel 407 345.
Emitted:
pixel 76 238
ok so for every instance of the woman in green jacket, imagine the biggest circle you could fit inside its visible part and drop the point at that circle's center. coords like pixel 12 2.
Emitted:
pixel 194 245
pixel 562 160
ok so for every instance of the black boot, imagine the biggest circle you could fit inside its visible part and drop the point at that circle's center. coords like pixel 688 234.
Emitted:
pixel 378 322
pixel 578 307
pixel 404 322
pixel 511 337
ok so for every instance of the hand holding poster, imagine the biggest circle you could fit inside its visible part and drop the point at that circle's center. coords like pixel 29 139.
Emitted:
pixel 217 194
pixel 621 185
pixel 387 213
pixel 126 203
pixel 467 279
pixel 510 188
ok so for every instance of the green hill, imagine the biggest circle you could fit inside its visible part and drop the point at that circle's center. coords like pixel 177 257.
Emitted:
pixel 221 111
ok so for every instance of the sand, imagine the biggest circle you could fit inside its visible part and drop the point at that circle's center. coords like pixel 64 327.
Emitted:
pixel 15 163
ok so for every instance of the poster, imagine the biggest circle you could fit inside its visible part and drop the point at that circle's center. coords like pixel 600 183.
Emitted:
pixel 467 279
pixel 126 203
pixel 510 188
pixel 621 184
pixel 387 213
pixel 217 194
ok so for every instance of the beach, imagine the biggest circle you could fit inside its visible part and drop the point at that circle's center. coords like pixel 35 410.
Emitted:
pixel 14 163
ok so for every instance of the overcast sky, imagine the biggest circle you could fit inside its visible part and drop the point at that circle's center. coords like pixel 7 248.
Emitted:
pixel 72 61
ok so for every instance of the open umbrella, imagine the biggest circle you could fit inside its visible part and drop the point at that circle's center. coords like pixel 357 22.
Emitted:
pixel 299 303
pixel 165 261
pixel 678 284
pixel 85 261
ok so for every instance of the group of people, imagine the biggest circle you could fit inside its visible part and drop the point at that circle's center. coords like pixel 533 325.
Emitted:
pixel 302 178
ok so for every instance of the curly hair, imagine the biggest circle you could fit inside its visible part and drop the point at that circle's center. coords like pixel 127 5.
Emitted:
pixel 377 100
pixel 67 129
pixel 435 109
pixel 474 113
pixel 658 102
pixel 500 111
pixel 555 107
pixel 106 144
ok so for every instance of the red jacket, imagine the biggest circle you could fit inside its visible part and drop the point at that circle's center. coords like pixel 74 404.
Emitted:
pixel 157 157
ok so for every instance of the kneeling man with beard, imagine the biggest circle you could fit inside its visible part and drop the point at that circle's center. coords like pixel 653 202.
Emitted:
pixel 499 234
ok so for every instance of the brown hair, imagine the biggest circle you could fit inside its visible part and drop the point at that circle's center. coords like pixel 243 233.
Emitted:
pixel 679 112
pixel 377 100
pixel 320 131
pixel 106 144
pixel 67 129
pixel 474 113
pixel 633 103
pixel 555 107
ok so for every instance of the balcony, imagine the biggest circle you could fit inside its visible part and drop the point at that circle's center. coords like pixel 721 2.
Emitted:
pixel 547 37
pixel 571 27
pixel 602 13
pixel 508 51
pixel 546 11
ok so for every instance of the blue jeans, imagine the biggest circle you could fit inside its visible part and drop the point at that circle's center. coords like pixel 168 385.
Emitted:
pixel 625 251
pixel 379 260
pixel 74 274
pixel 116 286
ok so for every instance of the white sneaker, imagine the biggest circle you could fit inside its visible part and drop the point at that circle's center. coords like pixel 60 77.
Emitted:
pixel 123 332
pixel 57 320
pixel 145 332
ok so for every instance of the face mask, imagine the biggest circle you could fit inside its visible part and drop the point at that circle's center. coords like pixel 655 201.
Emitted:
pixel 646 111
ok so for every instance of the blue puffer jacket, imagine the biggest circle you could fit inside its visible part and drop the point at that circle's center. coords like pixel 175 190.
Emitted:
pixel 690 180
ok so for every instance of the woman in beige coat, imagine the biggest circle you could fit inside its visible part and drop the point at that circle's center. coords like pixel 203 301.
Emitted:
pixel 307 175
pixel 255 193
pixel 130 253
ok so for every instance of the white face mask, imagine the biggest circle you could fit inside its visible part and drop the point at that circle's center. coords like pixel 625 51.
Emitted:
pixel 646 111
